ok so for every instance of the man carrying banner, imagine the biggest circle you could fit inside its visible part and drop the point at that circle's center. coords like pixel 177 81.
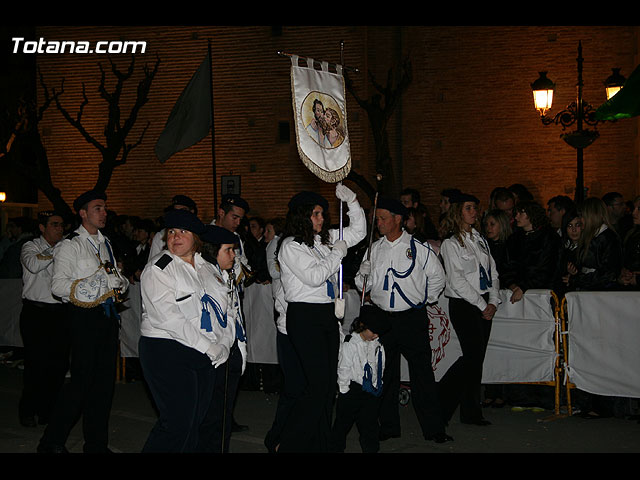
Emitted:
pixel 86 279
pixel 402 276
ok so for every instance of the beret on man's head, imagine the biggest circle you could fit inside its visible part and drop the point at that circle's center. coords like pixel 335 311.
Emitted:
pixel 184 219
pixel 393 205
pixel 184 200
pixel 461 197
pixel 86 197
pixel 308 198
pixel 218 235
pixel 374 319
pixel 236 200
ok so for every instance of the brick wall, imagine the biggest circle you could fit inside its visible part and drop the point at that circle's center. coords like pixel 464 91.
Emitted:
pixel 467 119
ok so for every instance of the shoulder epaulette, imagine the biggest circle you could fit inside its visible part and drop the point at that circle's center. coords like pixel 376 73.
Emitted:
pixel 163 261
pixel 72 235
pixel 347 338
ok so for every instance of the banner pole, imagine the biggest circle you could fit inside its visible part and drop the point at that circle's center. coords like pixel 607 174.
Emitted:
pixel 213 136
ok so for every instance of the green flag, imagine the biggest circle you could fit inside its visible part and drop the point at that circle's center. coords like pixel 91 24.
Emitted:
pixel 190 119
pixel 625 103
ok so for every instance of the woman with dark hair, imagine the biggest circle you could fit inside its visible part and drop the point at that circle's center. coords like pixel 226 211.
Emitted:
pixel 532 252
pixel 571 230
pixel 228 327
pixel 472 287
pixel 309 255
pixel 180 335
pixel 599 251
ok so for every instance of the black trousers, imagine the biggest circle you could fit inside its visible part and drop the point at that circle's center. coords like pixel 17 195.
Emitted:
pixel 93 339
pixel 181 382
pixel 409 337
pixel 215 430
pixel 313 331
pixel 359 407
pixel 293 386
pixel 43 328
pixel 461 384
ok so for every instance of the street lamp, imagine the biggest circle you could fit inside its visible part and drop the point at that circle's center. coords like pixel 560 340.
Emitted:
pixel 578 112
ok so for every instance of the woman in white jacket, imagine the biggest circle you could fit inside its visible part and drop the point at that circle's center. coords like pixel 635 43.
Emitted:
pixel 472 287
pixel 179 340
pixel 309 256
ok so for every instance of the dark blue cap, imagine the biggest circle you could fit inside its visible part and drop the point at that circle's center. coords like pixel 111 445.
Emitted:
pixel 185 201
pixel 183 219
pixel 393 205
pixel 218 235
pixel 86 197
pixel 236 200
pixel 374 319
pixel 308 198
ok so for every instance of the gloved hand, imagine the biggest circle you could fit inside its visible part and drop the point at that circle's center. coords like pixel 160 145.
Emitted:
pixel 218 353
pixel 345 194
pixel 114 281
pixel 365 268
pixel 341 246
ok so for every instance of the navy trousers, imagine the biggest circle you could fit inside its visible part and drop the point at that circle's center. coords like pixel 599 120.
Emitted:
pixel 181 381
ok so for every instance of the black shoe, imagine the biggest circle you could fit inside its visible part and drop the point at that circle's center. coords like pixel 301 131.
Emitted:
pixel 440 438
pixel 382 436
pixel 480 422
pixel 51 449
pixel 236 427
pixel 28 421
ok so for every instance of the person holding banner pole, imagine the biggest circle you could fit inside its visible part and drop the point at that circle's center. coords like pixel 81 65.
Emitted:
pixel 310 256
pixel 472 286
pixel 403 276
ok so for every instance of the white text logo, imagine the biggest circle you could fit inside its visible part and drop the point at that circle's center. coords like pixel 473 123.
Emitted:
pixel 68 46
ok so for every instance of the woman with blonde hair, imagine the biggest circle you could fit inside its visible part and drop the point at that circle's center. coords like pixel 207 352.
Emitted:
pixel 472 287
pixel 599 252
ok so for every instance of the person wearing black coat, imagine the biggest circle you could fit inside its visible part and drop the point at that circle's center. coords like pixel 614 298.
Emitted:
pixel 571 230
pixel 532 252
pixel 599 252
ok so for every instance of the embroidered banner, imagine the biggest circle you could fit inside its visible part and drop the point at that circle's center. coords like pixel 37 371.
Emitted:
pixel 320 113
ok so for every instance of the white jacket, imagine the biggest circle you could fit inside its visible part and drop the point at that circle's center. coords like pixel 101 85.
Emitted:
pixel 354 355
pixel 398 281
pixel 463 267
pixel 173 304
pixel 304 271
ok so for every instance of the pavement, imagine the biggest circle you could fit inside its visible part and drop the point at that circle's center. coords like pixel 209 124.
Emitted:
pixel 133 416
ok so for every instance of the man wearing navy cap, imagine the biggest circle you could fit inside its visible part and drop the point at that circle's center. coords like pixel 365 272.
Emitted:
pixel 402 276
pixel 86 279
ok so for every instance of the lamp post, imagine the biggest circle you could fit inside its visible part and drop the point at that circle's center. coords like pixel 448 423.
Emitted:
pixel 579 113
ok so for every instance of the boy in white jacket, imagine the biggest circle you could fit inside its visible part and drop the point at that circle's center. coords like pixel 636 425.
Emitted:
pixel 360 369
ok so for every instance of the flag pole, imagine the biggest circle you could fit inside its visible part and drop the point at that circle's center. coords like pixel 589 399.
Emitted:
pixel 213 134
pixel 341 275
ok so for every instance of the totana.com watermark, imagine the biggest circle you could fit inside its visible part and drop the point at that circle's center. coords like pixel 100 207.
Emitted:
pixel 20 45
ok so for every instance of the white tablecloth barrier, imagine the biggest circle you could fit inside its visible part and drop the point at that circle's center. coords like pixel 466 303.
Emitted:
pixel 130 317
pixel 521 346
pixel 10 308
pixel 260 324
pixel 604 342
